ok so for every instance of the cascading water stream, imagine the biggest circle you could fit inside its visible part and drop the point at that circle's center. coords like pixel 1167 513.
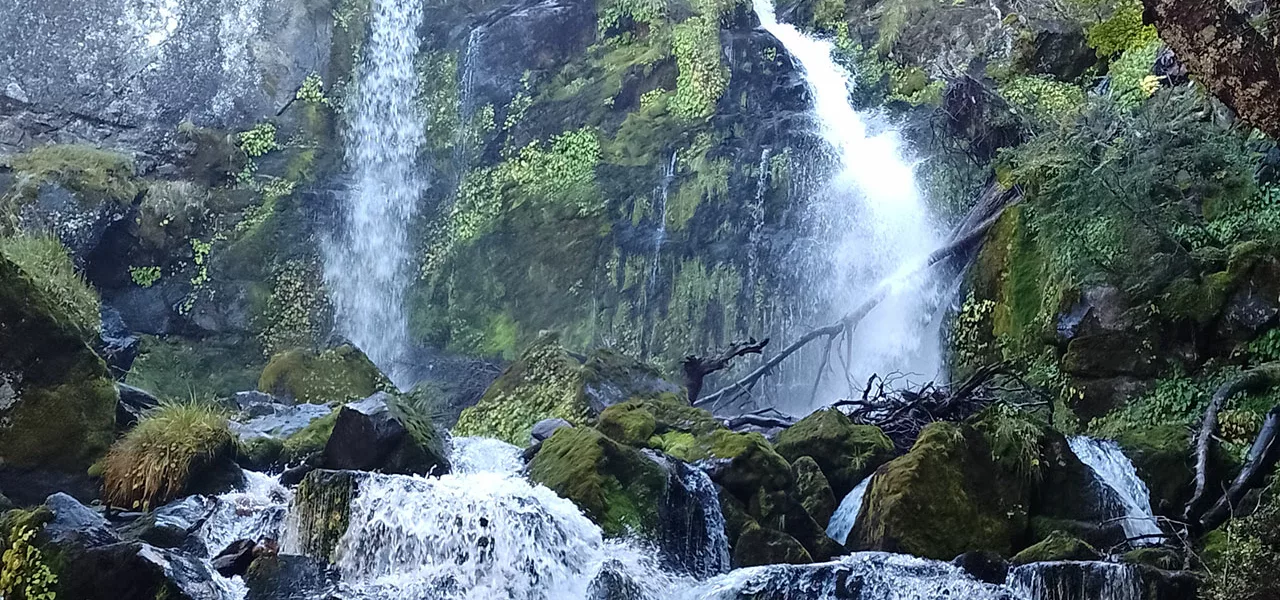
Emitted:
pixel 876 215
pixel 1117 472
pixel 366 263
pixel 846 515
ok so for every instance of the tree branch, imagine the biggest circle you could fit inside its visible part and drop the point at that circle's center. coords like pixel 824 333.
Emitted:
pixel 697 368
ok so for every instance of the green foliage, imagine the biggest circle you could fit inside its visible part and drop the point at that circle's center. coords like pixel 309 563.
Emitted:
pixel 312 91
pixel 144 276
pixel 171 213
pixel 1176 399
pixel 295 308
pixel 310 439
pixel 1043 97
pixel 47 264
pixel 438 97
pixel 1123 31
pixel 1242 559
pixel 24 572
pixel 259 140
pixel 1131 80
pixel 1014 438
pixel 177 368
pixel 92 172
pixel 612 12
pixel 157 459
pixel 702 79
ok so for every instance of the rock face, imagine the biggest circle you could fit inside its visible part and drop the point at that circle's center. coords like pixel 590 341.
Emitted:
pixel 57 400
pixel 222 64
pixel 845 452
pixel 368 437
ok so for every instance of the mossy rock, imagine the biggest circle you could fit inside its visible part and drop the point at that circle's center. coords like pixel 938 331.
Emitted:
pixel 752 464
pixel 545 383
pixel 611 377
pixel 628 423
pixel 617 486
pixel 343 373
pixel 813 490
pixel 92 173
pixel 943 498
pixel 1162 456
pixel 763 546
pixel 322 510
pixel 57 400
pixel 1160 558
pixel 309 440
pixel 845 452
pixel 1058 546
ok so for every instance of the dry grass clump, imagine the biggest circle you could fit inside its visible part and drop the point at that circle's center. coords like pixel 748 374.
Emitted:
pixel 154 462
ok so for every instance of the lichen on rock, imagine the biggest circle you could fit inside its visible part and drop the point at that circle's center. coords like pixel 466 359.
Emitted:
pixel 342 373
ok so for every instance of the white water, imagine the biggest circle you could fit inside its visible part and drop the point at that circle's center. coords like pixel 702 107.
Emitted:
pixel 878 226
pixel 846 515
pixel 366 264
pixel 256 512
pixel 1077 581
pixel 1118 473
pixel 693 526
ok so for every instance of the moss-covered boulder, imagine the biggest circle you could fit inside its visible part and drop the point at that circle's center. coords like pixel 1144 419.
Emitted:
pixel 845 452
pixel 666 423
pixel 612 377
pixel 57 400
pixel 616 485
pixel 747 463
pixel 321 509
pixel 1058 546
pixel 813 490
pixel 944 497
pixel 342 373
pixel 763 546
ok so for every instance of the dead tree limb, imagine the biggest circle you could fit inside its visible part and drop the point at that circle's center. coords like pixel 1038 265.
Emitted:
pixel 1252 380
pixel 984 215
pixel 697 368
pixel 1262 456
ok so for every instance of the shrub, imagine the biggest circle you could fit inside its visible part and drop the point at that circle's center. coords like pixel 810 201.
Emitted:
pixel 46 262
pixel 154 462
pixel 1014 438
pixel 1243 557
pixel 84 169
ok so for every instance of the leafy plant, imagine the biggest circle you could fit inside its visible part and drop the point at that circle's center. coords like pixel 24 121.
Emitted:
pixel 144 276
pixel 259 140
pixel 155 461
pixel 1014 438
pixel 24 573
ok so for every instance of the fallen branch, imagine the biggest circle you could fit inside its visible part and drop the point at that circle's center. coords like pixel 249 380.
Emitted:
pixel 697 368
pixel 985 214
pixel 1262 456
pixel 1252 380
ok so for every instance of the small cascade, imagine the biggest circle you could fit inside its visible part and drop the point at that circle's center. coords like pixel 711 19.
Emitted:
pixel 846 515
pixel 756 211
pixel 255 513
pixel 485 455
pixel 366 263
pixel 1117 472
pixel 693 530
pixel 660 195
pixel 1077 581
pixel 860 576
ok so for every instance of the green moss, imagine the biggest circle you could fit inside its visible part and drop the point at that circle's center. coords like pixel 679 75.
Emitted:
pixel 615 485
pixel 177 368
pixel 160 457
pixel 627 424
pixel 309 440
pixel 47 264
pixel 1162 456
pixel 758 546
pixel 1058 546
pixel 813 490
pixel 753 464
pixel 260 453
pixel 845 452
pixel 342 373
pixel 545 383
pixel 95 174
pixel 1160 558
pixel 943 498
pixel 1014 437
pixel 1123 30
pixel 322 511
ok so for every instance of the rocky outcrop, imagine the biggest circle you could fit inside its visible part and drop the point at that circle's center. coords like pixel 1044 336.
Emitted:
pixel 845 452
pixel 338 374
pixel 369 435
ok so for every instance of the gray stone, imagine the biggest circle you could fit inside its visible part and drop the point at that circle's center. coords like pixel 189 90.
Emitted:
pixel 79 223
pixel 75 523
pixel 369 437
pixel 544 428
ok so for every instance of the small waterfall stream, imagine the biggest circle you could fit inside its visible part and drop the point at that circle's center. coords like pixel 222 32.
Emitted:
pixel 1117 472
pixel 366 263
pixel 846 515
pixel 875 217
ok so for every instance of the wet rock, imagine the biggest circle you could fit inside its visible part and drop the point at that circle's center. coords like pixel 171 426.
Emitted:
pixel 79 221
pixel 235 559
pixel 134 570
pixel 171 525
pixel 117 346
pixel 544 428
pixel 134 404
pixel 369 437
pixel 1058 546
pixel 321 508
pixel 1074 580
pixel 987 567
pixel 1109 355
pixel 845 452
pixel 762 546
pixel 289 577
pixel 278 420
pixel 77 524
pixel 813 490
pixel 612 377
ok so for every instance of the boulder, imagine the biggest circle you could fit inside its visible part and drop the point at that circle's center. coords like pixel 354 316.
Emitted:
pixel 116 344
pixel 79 218
pixel 845 452
pixel 73 523
pixel 813 490
pixel 57 399
pixel 1109 355
pixel 171 525
pixel 544 428
pixel 612 377
pixel 369 436
pixel 289 577
pixel 1058 546
pixel 1163 459
pixel 338 374
pixel 234 560
pixel 133 405
pixel 987 567
pixel 321 509
pixel 946 496
pixel 745 463
pixel 1088 580
pixel 617 486
pixel 763 546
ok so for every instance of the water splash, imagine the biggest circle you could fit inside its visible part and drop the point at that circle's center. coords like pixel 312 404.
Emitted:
pixel 1117 472
pixel 256 512
pixel 485 455
pixel 1076 581
pixel 875 214
pixel 846 515
pixel 692 532
pixel 366 264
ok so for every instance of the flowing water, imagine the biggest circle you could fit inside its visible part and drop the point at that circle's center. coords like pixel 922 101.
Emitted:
pixel 1118 473
pixel 1077 581
pixel 366 264
pixel 846 515
pixel 692 535
pixel 878 228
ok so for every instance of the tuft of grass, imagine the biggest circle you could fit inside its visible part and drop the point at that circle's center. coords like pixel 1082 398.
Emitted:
pixel 85 169
pixel 1014 438
pixel 47 263
pixel 153 463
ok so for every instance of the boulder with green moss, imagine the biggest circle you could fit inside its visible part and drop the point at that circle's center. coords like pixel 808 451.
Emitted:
pixel 845 452
pixel 746 463
pixel 617 486
pixel 665 423
pixel 612 377
pixel 1058 546
pixel 380 434
pixel 946 496
pixel 813 490
pixel 758 546
pixel 57 400
pixel 342 373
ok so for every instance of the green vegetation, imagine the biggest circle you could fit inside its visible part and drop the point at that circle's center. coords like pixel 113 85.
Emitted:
pixel 259 140
pixel 176 368
pixel 47 264
pixel 144 276
pixel 309 440
pixel 342 374
pixel 95 174
pixel 157 460
pixel 1014 438
pixel 25 572
pixel 1242 558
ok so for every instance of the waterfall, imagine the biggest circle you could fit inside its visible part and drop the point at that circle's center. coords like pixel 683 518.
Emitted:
pixel 1077 581
pixel 692 532
pixel 660 195
pixel 846 515
pixel 874 211
pixel 256 512
pixel 366 263
pixel 1117 472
